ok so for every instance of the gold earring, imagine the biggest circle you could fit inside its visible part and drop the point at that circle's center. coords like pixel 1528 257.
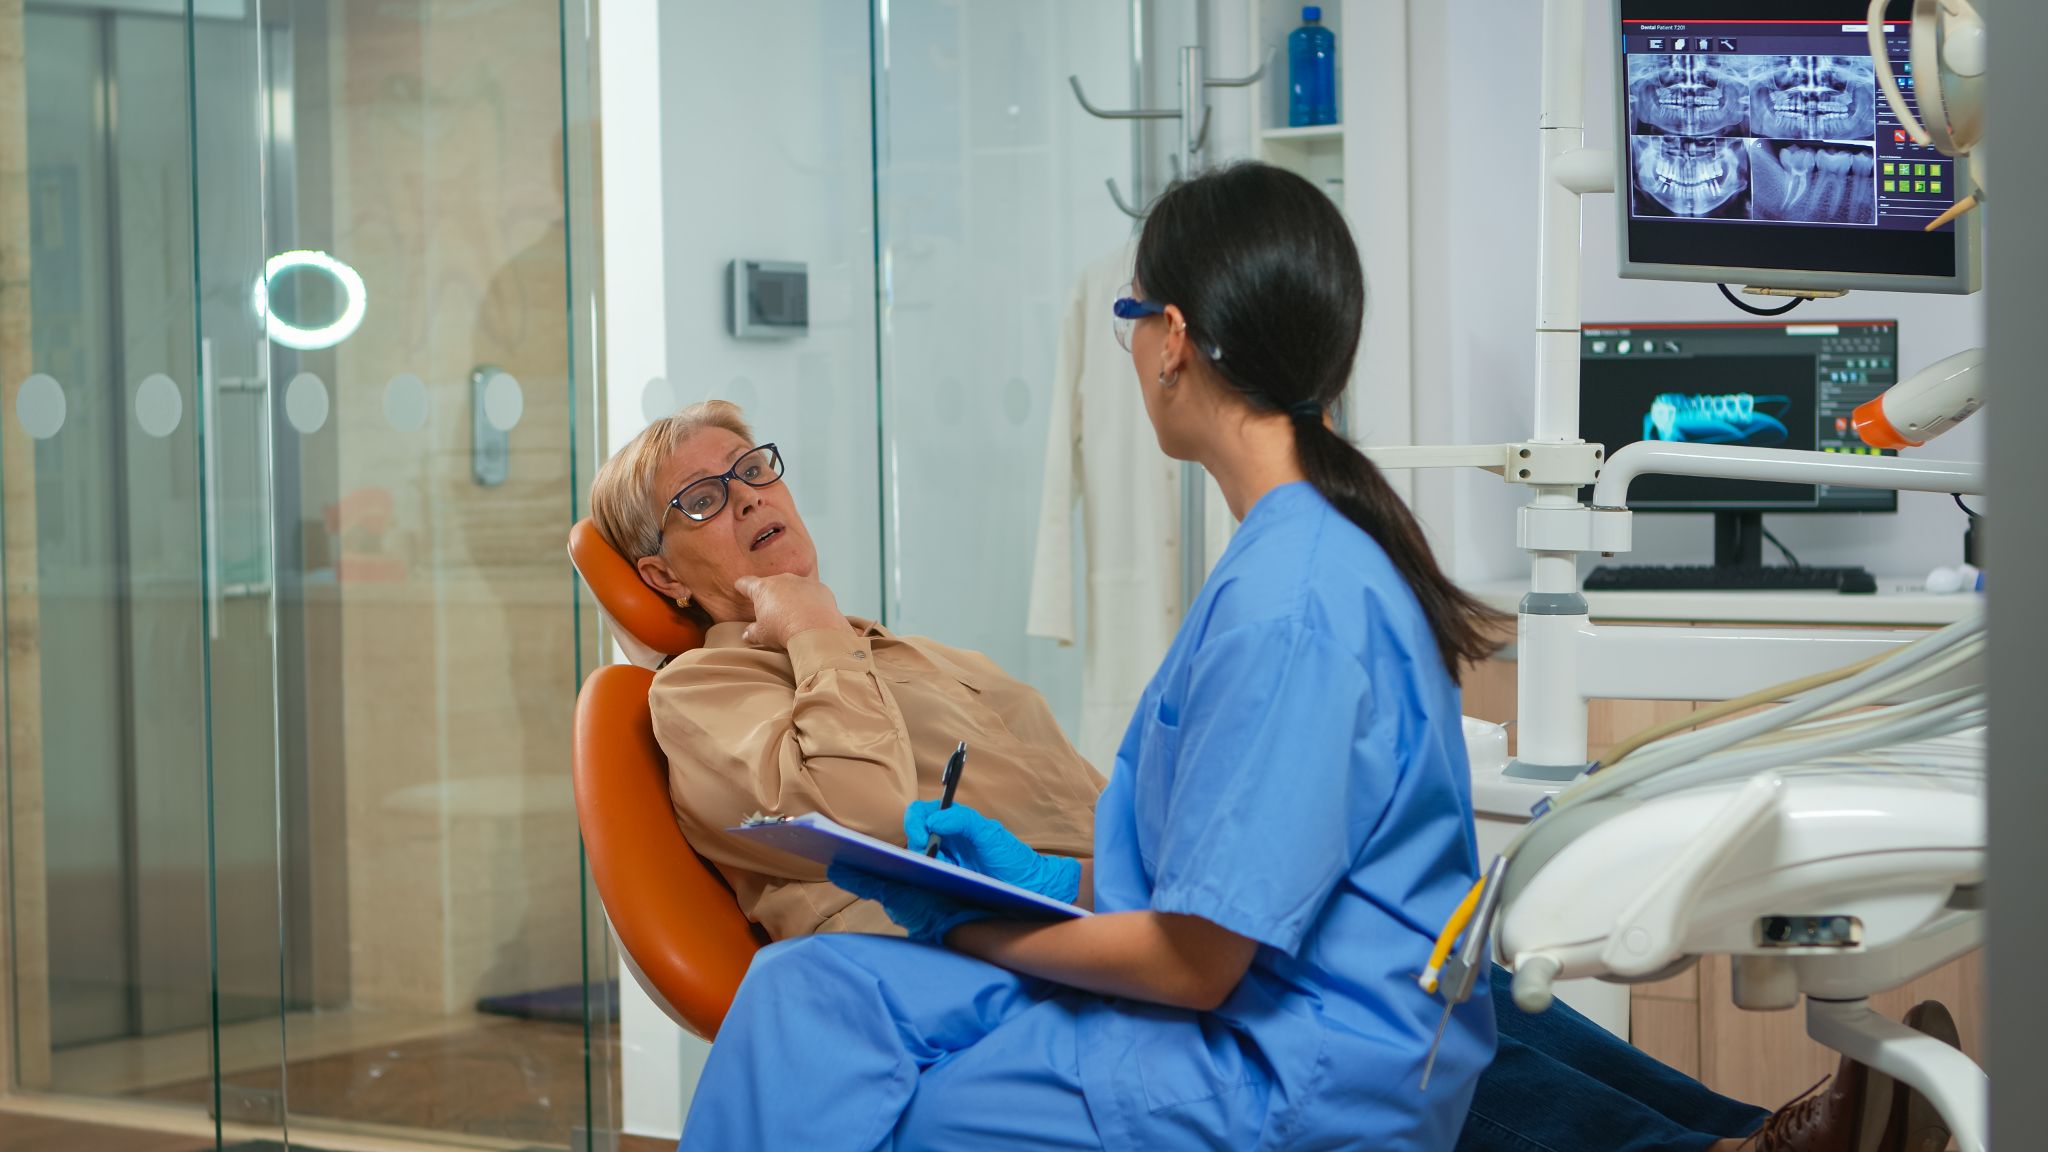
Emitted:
pixel 683 601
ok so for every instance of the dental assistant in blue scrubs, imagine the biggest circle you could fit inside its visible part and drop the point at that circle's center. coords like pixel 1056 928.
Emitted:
pixel 1287 824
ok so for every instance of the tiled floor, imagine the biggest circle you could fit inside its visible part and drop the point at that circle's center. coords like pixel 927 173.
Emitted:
pixel 520 1081
pixel 513 1083
pixel 40 1134
pixel 128 1067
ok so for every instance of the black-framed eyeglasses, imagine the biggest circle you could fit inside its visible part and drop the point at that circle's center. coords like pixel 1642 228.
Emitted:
pixel 700 500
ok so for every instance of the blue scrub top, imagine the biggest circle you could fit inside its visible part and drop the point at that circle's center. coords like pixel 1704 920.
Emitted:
pixel 1295 773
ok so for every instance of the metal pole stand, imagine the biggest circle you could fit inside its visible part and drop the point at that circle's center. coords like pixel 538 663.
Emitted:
pixel 1951 1081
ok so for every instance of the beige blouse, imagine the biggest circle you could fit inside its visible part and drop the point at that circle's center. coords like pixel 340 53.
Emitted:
pixel 854 726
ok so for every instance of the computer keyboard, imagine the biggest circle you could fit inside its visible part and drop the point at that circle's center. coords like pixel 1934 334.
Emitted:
pixel 1708 578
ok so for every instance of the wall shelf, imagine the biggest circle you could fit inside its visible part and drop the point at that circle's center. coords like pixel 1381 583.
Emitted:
pixel 1368 181
pixel 1310 134
pixel 1314 151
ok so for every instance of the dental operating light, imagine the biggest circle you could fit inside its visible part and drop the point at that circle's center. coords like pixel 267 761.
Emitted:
pixel 1946 44
pixel 354 300
pixel 1926 404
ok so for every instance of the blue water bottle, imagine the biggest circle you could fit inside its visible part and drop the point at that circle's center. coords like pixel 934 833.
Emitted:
pixel 1311 71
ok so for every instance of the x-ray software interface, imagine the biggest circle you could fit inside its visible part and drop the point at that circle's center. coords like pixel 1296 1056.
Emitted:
pixel 1761 142
pixel 1771 385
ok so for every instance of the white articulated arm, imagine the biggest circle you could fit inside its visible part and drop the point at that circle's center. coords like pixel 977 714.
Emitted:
pixel 1732 462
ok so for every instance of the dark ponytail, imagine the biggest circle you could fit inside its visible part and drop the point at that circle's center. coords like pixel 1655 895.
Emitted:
pixel 1264 269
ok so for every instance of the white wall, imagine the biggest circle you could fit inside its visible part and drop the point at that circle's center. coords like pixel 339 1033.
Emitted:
pixel 766 153
pixel 1473 67
pixel 635 342
pixel 658 1062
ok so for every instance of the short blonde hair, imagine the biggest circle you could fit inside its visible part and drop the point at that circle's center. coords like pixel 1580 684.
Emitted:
pixel 623 502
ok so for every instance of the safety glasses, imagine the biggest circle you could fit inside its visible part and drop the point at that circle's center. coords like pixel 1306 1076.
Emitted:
pixel 1128 310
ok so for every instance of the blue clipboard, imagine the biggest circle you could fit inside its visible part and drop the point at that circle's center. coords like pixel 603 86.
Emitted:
pixel 819 839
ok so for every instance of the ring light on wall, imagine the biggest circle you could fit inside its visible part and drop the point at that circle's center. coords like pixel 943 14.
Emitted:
pixel 354 300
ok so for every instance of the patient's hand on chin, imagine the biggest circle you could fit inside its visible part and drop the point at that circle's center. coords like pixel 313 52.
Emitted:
pixel 785 605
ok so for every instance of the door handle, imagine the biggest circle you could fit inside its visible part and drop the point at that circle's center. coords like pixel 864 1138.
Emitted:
pixel 209 443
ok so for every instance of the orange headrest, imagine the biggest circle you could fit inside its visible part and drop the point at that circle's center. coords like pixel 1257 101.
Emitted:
pixel 637 609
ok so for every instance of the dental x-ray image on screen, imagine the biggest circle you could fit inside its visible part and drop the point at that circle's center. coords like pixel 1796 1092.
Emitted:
pixel 1817 183
pixel 1696 177
pixel 1688 95
pixel 1813 98
pixel 1772 97
pixel 1718 418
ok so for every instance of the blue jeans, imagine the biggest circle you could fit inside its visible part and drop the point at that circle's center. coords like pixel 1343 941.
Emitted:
pixel 1561 1083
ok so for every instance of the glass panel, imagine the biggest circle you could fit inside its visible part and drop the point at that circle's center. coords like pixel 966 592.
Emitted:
pixel 253 771
pixel 105 614
pixel 427 645
pixel 603 1107
pixel 289 445
pixel 992 204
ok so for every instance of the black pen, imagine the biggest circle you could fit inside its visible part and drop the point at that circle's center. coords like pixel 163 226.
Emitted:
pixel 951 780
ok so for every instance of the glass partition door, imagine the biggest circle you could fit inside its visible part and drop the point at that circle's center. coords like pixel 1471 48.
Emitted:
pixel 992 209
pixel 105 509
pixel 289 435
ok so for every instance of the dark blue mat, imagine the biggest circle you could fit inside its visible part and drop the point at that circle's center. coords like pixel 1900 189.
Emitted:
pixel 563 1004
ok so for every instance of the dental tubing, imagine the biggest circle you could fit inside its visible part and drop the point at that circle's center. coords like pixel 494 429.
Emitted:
pixel 1815 721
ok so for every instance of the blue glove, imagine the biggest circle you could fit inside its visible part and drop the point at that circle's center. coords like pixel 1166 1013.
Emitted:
pixel 926 916
pixel 975 842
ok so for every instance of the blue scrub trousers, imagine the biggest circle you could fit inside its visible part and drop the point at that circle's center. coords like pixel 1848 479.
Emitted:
pixel 978 1058
pixel 983 1058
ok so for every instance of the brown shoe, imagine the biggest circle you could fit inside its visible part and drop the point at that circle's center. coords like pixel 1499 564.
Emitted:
pixel 1844 1113
pixel 1914 1125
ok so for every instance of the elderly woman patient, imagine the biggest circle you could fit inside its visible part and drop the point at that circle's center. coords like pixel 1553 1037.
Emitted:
pixel 792 706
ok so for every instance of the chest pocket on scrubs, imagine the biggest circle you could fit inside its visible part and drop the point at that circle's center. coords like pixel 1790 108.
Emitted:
pixel 1158 752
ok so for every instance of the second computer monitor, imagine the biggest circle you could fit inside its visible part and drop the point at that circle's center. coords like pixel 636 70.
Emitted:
pixel 1775 385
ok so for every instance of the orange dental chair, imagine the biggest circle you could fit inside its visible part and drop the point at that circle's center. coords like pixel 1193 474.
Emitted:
pixel 680 931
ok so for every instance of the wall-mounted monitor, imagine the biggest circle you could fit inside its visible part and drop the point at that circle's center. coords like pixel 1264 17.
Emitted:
pixel 1755 148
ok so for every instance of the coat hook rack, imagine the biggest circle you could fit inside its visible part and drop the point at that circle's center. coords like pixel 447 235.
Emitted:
pixel 1194 134
pixel 1185 160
